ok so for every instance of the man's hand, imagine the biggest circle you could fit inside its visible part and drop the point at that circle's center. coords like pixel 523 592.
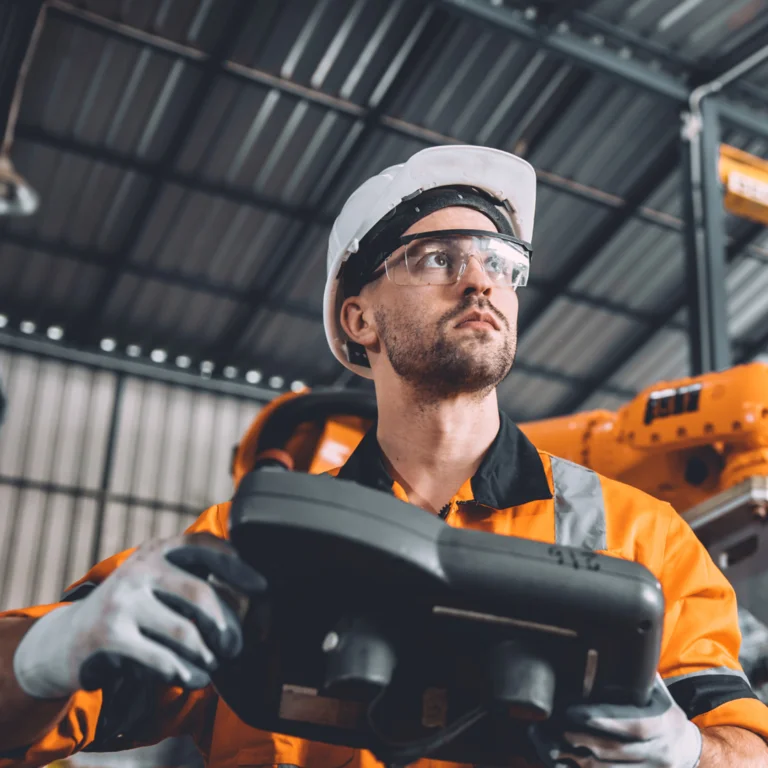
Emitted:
pixel 152 611
pixel 596 736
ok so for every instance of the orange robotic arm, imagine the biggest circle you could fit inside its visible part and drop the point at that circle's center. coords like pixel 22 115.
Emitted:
pixel 699 443
pixel 683 441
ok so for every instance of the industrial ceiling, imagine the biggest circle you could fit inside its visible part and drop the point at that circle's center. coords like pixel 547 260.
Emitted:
pixel 190 157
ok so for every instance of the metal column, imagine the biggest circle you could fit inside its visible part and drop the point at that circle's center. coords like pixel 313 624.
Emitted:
pixel 107 469
pixel 705 240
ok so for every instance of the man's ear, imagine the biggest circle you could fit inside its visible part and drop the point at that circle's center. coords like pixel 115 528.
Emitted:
pixel 355 319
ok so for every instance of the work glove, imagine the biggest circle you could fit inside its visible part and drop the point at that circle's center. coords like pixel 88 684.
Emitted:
pixel 600 735
pixel 159 609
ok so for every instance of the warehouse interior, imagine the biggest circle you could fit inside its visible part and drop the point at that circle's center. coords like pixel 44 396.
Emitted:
pixel 171 170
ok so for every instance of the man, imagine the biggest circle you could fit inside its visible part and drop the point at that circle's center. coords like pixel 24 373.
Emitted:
pixel 424 263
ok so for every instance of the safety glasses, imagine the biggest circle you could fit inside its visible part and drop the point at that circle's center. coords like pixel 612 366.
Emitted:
pixel 441 258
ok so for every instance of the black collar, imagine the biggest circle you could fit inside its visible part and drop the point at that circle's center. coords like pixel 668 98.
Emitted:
pixel 511 474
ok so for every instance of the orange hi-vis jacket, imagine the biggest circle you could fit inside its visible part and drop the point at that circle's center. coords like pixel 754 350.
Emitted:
pixel 517 491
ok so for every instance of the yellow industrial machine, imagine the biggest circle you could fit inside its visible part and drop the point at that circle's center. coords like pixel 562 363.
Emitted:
pixel 745 180
pixel 699 443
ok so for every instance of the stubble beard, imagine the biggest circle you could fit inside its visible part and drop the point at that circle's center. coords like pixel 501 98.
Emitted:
pixel 440 367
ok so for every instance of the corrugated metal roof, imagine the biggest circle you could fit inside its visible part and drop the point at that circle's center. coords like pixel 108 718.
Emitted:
pixel 602 401
pixel 666 358
pixel 527 397
pixel 105 90
pixel 562 225
pixel 747 287
pixel 300 285
pixel 290 346
pixel 26 280
pixel 641 268
pixel 193 244
pixel 213 239
pixel 344 47
pixel 185 21
pixel 572 339
pixel 153 314
pixel 83 203
pixel 697 28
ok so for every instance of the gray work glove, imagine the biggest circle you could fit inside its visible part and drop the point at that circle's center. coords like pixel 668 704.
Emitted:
pixel 659 735
pixel 157 610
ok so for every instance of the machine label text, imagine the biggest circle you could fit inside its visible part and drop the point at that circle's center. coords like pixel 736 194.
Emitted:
pixel 672 402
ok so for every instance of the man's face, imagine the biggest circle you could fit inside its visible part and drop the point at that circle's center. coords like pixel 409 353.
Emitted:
pixel 420 327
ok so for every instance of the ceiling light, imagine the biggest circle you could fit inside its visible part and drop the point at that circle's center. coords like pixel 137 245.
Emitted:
pixel 108 345
pixel 206 367
pixel 55 332
pixel 3 321
pixel 253 377
pixel 27 326
pixel 297 386
pixel 158 355
pixel 133 350
pixel 17 198
pixel 276 382
pixel 230 372
pixel 183 361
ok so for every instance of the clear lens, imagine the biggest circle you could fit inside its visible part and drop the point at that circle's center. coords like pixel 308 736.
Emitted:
pixel 443 260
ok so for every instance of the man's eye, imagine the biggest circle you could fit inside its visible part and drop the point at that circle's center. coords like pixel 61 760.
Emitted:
pixel 437 259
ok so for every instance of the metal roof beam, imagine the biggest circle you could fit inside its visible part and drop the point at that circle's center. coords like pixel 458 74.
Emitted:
pixel 144 370
pixel 100 260
pixel 745 119
pixel 155 171
pixel 597 58
pixel 573 48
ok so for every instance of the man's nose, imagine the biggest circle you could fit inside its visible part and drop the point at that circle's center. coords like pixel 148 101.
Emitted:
pixel 475 279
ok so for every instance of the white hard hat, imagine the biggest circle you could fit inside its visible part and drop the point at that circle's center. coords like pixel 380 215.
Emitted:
pixel 505 177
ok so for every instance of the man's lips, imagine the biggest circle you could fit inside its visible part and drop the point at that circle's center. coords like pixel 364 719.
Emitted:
pixel 479 319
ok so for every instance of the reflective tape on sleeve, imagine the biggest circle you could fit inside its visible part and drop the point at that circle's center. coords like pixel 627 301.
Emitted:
pixel 703 691
pixel 579 506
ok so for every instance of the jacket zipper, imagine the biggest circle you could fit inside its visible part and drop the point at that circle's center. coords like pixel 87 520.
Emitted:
pixel 446 510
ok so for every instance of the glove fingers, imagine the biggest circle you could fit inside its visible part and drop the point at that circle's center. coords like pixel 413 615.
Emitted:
pixel 608 750
pixel 622 731
pixel 175 630
pixel 203 554
pixel 224 638
pixel 661 702
pixel 99 669
pixel 199 597
pixel 639 729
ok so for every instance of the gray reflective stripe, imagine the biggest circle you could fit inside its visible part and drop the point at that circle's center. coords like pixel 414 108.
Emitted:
pixel 78 592
pixel 704 672
pixel 579 506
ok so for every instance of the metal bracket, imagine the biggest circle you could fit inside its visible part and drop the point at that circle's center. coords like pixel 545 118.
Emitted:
pixel 733 526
